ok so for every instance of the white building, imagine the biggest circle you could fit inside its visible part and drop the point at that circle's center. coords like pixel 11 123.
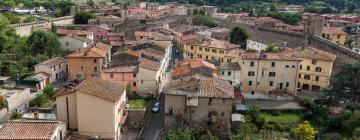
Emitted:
pixel 255 45
pixel 230 72
pixel 55 67
pixel 74 42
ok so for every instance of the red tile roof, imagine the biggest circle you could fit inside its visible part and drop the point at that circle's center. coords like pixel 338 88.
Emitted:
pixel 333 30
pixel 36 130
pixel 99 50
pixel 141 33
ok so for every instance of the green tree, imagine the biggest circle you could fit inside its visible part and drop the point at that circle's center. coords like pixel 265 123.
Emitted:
pixel 91 3
pixel 349 42
pixel 53 28
pixel 49 90
pixel 247 131
pixel 345 84
pixel 305 131
pixel 7 34
pixel 271 49
pixel 83 17
pixel 273 7
pixel 30 19
pixel 41 42
pixel 203 20
pixel 239 36
pixel 15 115
pixel 8 4
pixel 12 18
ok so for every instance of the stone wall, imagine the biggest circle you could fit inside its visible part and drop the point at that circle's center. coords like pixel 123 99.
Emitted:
pixel 295 39
pixel 136 118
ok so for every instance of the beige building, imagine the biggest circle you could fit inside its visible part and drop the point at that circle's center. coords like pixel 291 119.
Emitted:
pixel 56 69
pixel 206 104
pixel 334 34
pixel 211 49
pixel 74 42
pixel 89 62
pixel 94 108
pixel 265 74
pixel 315 68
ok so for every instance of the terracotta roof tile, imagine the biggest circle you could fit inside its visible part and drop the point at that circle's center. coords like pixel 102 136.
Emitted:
pixel 268 56
pixel 333 30
pixel 213 87
pixel 310 52
pixel 99 50
pixel 141 33
pixel 102 88
pixel 150 64
pixel 36 130
pixel 52 62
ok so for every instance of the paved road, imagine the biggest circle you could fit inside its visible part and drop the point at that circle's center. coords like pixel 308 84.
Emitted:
pixel 155 124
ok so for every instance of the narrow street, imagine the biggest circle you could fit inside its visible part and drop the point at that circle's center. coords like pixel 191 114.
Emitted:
pixel 156 123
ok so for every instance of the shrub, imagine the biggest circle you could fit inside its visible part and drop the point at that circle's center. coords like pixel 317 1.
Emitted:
pixel 15 115
pixel 331 136
pixel 49 90
pixel 276 113
pixel 356 132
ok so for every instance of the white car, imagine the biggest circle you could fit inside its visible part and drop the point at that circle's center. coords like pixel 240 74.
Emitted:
pixel 156 107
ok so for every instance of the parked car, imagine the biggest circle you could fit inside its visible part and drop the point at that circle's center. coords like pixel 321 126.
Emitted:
pixel 156 107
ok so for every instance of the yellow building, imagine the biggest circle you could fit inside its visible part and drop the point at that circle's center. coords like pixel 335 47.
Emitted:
pixel 315 68
pixel 334 34
pixel 266 74
pixel 211 49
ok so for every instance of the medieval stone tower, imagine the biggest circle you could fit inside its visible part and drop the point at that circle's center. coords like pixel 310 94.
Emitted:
pixel 314 25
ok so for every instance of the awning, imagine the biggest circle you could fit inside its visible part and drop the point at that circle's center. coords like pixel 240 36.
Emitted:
pixel 237 118
pixel 241 107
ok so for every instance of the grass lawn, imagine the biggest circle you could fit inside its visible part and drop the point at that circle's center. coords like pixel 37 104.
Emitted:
pixel 283 118
pixel 137 104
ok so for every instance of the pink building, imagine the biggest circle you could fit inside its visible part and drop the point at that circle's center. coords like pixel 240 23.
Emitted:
pixel 100 32
pixel 122 75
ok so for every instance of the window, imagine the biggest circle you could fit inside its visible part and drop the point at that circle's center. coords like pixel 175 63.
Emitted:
pixel 271 83
pixel 299 75
pixel 293 66
pixel 200 48
pixel 210 101
pixel 142 81
pixel 222 73
pixel 318 69
pixel 286 66
pixel 229 73
pixel 251 73
pixel 111 75
pixel 307 77
pixel 228 60
pixel 214 51
pixel 82 68
pixel 317 78
pixel 207 57
pixel 222 114
pixel 134 92
pixel 221 51
pixel 338 36
pixel 252 92
pixel 272 74
pixel 300 66
pixel 192 47
pixel 213 58
pixel 287 84
pixel 251 63
pixel 134 84
pixel 134 74
pixel 199 56
pixel 272 64
pixel 67 43
pixel 250 83
pixel 207 49
pixel 95 69
pixel 171 111
pixel 313 62
pixel 308 68
pixel 221 59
